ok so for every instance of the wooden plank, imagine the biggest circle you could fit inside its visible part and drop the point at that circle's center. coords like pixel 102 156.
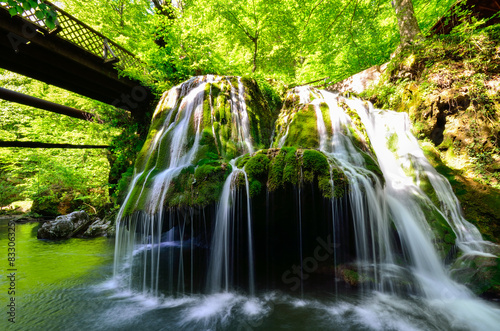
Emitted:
pixel 35 144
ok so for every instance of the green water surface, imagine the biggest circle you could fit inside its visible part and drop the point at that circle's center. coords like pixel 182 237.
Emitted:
pixel 50 277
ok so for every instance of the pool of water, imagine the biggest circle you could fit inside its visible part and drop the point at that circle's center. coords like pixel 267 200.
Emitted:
pixel 68 285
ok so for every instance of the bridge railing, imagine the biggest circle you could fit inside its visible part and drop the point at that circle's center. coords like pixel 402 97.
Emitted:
pixel 78 33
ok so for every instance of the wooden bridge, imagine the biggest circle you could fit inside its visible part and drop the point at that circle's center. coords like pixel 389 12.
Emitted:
pixel 72 56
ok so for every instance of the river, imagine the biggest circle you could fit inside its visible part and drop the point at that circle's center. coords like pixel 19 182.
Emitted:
pixel 68 285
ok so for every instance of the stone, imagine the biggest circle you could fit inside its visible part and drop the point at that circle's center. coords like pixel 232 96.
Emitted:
pixel 100 228
pixel 63 226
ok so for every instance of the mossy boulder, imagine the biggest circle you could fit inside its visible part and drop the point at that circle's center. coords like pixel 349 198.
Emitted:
pixel 296 124
pixel 211 137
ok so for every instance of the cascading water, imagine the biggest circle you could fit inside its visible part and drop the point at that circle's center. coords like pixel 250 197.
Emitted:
pixel 221 261
pixel 208 214
pixel 174 145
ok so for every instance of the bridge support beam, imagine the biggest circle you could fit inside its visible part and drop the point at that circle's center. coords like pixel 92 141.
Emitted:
pixel 35 144
pixel 46 105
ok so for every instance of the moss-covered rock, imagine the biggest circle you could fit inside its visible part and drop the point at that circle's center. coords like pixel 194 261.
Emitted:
pixel 480 273
pixel 212 137
pixel 280 168
pixel 480 203
pixel 296 124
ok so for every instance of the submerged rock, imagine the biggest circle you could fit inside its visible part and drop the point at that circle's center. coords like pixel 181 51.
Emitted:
pixel 64 226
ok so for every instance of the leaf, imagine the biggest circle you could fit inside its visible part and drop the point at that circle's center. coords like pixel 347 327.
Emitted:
pixel 33 3
pixel 50 22
pixel 26 6
pixel 52 13
pixel 12 3
pixel 39 14
pixel 12 11
pixel 20 9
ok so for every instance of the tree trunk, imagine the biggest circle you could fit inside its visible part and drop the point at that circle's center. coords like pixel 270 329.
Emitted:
pixel 255 50
pixel 407 22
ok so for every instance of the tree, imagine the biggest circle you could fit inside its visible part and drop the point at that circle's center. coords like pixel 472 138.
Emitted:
pixel 407 22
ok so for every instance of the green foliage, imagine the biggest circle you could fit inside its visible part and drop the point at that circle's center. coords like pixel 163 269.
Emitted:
pixel 56 180
pixel 42 10
pixel 285 42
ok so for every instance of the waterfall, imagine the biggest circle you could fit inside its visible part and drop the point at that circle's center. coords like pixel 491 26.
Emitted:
pixel 221 258
pixel 212 210
pixel 400 201
pixel 175 145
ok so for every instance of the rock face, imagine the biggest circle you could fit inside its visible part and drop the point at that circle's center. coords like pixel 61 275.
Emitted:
pixel 64 226
pixel 360 81
pixel 451 94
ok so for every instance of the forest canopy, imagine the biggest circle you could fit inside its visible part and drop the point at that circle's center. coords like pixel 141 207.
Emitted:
pixel 288 40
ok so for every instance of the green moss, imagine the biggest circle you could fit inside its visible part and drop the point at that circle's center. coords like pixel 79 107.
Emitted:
pixel 291 170
pixel 426 186
pixel 339 182
pixel 205 171
pixel 261 108
pixel 444 236
pixel 198 186
pixel 351 277
pixel 315 166
pixel 481 274
pixel 240 163
pixel 325 111
pixel 255 187
pixel 302 131
pixel 371 164
pixel 358 130
pixel 257 166
pixel 315 161
pixel 277 167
